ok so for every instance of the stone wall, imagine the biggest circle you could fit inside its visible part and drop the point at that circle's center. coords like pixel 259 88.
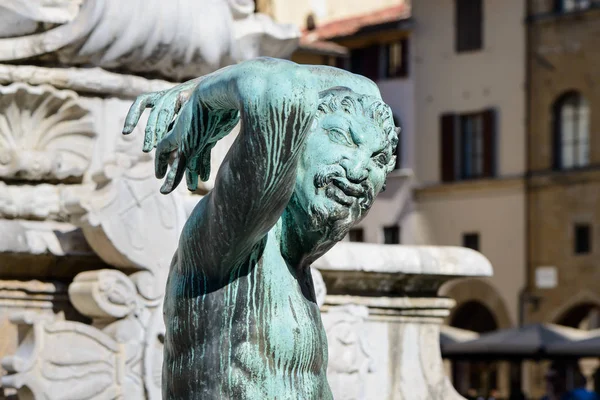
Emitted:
pixel 563 57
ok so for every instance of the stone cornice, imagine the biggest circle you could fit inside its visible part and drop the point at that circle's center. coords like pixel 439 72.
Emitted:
pixel 549 178
pixel 469 188
pixel 83 80
pixel 366 269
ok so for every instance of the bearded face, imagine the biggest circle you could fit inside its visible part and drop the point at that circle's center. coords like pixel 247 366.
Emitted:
pixel 347 155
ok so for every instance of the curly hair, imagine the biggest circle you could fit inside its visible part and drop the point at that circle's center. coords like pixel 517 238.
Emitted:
pixel 343 98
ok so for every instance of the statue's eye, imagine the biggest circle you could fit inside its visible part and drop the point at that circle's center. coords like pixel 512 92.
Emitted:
pixel 340 136
pixel 382 159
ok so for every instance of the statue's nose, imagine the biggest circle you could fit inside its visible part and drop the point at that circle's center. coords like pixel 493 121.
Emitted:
pixel 356 170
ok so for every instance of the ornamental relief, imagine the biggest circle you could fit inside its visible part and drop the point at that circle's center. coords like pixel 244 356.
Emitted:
pixel 45 134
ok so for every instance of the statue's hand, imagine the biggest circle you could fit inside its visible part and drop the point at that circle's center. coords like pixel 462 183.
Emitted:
pixel 165 105
pixel 183 132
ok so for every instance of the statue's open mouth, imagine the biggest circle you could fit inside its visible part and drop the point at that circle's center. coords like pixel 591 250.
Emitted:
pixel 347 193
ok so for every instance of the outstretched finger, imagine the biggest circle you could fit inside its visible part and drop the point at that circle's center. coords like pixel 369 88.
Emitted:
pixel 165 116
pixel 149 138
pixel 135 111
pixel 164 152
pixel 175 174
pixel 191 178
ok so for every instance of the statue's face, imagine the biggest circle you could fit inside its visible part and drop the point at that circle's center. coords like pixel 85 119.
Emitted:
pixel 343 167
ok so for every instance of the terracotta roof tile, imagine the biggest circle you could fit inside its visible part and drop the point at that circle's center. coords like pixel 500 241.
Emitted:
pixel 349 26
pixel 324 47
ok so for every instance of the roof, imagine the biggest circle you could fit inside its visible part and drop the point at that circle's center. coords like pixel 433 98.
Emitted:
pixel 450 334
pixel 527 342
pixel 582 348
pixel 323 47
pixel 350 26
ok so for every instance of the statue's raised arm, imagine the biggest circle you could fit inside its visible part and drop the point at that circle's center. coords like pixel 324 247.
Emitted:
pixel 314 148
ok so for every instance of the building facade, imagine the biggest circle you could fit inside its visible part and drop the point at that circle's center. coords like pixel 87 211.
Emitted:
pixel 564 181
pixel 469 66
pixel 563 185
pixel 459 97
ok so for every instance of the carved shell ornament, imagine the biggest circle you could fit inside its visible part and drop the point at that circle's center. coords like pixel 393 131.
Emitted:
pixel 45 134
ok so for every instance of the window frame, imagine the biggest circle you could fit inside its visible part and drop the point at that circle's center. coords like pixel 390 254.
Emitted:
pixel 576 5
pixel 469 25
pixel 396 232
pixel 579 139
pixel 356 230
pixel 471 235
pixel 580 248
pixel 453 150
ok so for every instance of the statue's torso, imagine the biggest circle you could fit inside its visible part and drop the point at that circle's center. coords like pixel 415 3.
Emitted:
pixel 258 337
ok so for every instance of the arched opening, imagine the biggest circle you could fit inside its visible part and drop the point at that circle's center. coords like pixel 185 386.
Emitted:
pixel 471 377
pixel 586 316
pixel 571 123
pixel 474 316
pixel 583 316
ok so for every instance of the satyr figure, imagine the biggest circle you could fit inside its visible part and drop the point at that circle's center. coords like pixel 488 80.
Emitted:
pixel 314 149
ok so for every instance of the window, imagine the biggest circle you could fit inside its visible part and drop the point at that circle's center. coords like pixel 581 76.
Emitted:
pixel 356 235
pixel 379 61
pixel 391 235
pixel 365 61
pixel 396 59
pixel 572 5
pixel 471 129
pixel 571 131
pixel 467 145
pixel 471 241
pixel 469 25
pixel 582 239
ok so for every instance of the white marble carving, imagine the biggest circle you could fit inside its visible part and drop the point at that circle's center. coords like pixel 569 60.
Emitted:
pixel 109 360
pixel 63 360
pixel 127 221
pixel 39 237
pixel 90 193
pixel 44 133
pixel 89 80
pixel 319 284
pixel 40 202
pixel 350 357
pixel 179 39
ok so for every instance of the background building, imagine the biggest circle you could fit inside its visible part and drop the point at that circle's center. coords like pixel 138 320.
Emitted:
pixel 564 181
pixel 454 74
pixel 469 73
pixel 563 185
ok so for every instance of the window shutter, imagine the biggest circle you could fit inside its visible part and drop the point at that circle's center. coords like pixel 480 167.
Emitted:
pixel 447 150
pixel 370 62
pixel 403 72
pixel 556 135
pixel 489 142
pixel 469 25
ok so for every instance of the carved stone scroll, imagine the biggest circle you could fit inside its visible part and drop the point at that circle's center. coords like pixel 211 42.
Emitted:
pixel 62 360
pixel 119 357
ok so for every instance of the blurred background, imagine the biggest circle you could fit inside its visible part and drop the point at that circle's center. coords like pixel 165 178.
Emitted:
pixel 497 103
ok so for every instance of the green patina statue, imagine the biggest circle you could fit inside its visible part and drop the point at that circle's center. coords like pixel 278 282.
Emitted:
pixel 314 149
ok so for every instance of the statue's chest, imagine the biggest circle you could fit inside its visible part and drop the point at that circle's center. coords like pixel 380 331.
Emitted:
pixel 267 309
